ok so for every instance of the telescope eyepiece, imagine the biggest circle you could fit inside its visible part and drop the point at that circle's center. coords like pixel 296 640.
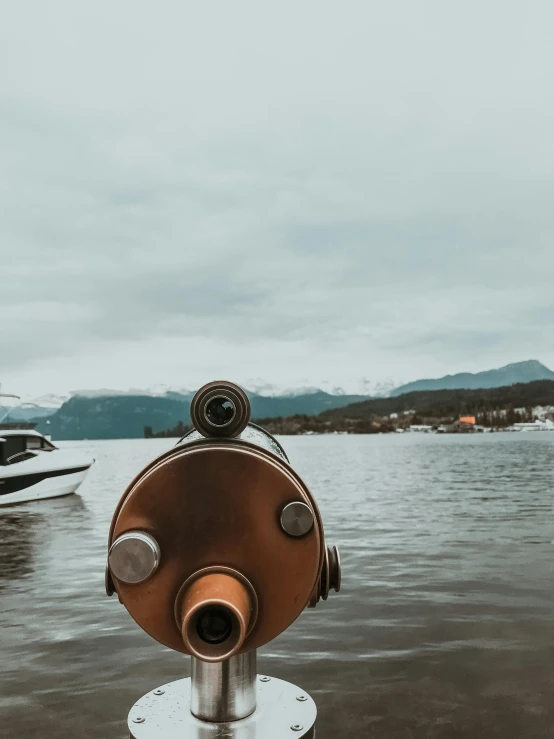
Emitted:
pixel 214 624
pixel 216 609
pixel 220 409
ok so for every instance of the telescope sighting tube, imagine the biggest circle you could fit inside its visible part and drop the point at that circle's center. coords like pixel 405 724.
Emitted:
pixel 217 609
pixel 215 548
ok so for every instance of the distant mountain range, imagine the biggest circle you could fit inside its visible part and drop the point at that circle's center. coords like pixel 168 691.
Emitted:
pixel 125 416
pixel 30 413
pixel 451 402
pixel 509 375
pixel 493 407
pixel 107 414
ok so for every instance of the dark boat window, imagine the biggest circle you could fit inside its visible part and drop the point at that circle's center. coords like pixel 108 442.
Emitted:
pixel 17 444
pixel 12 445
pixel 38 442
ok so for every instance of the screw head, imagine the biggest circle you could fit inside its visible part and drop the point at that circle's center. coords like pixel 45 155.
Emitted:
pixel 302 698
pixel 134 557
pixel 265 679
pixel 297 519
pixel 297 727
pixel 138 720
pixel 159 691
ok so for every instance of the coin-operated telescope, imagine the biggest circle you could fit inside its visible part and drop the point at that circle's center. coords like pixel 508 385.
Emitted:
pixel 215 548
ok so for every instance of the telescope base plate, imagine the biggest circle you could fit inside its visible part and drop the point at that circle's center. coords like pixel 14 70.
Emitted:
pixel 283 711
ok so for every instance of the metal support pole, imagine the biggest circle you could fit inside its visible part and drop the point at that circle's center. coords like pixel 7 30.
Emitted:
pixel 224 691
pixel 224 699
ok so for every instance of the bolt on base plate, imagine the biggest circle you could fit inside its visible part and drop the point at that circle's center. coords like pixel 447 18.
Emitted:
pixel 283 712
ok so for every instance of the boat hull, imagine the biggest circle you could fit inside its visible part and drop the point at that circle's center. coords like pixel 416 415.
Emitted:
pixel 52 486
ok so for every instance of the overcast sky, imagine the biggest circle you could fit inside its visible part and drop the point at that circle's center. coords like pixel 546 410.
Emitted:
pixel 301 192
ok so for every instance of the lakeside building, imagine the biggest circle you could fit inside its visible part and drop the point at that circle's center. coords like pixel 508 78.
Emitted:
pixel 536 425
pixel 544 412
pixel 462 426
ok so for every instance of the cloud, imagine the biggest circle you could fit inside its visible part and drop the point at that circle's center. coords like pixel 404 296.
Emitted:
pixel 303 193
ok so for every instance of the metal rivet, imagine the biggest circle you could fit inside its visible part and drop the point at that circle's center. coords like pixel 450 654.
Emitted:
pixel 301 698
pixel 159 691
pixel 297 519
pixel 134 557
pixel 138 720
pixel 265 679
pixel 296 727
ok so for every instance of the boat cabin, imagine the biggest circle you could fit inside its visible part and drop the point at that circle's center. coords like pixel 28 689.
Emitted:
pixel 17 445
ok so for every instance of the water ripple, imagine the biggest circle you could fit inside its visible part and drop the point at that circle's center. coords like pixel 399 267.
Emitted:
pixel 444 627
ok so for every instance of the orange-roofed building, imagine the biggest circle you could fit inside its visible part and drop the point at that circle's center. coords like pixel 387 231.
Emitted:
pixel 468 419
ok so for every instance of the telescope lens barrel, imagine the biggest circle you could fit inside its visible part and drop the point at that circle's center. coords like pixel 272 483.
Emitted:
pixel 216 611
pixel 220 411
pixel 214 624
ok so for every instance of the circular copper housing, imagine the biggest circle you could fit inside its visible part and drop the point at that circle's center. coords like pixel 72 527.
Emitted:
pixel 216 503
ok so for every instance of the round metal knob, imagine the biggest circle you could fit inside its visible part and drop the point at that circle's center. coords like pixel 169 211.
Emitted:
pixel 134 557
pixel 297 519
pixel 330 578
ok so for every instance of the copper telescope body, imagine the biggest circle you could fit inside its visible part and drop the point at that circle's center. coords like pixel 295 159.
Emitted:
pixel 217 546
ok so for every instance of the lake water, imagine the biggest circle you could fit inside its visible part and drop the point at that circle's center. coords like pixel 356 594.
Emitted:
pixel 444 626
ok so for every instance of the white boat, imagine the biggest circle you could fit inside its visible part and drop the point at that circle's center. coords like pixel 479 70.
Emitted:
pixel 32 468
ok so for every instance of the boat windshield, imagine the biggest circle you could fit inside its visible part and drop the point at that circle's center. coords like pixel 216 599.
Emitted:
pixel 18 448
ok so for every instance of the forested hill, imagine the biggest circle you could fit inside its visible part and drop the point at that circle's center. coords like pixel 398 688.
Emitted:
pixel 517 372
pixel 126 416
pixel 492 407
pixel 452 402
pixel 113 417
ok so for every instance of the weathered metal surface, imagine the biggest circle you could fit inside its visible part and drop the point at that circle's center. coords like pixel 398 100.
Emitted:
pixel 278 715
pixel 251 433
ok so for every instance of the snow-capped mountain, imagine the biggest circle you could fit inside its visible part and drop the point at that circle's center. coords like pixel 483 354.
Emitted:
pixel 45 401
